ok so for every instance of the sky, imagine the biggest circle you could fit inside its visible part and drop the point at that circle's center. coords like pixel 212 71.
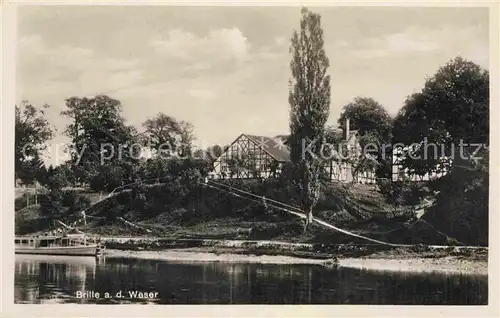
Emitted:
pixel 226 69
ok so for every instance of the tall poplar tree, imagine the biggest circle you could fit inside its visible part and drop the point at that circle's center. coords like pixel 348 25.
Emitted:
pixel 309 100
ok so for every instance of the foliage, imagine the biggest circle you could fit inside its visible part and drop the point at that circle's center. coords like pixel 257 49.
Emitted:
pixel 55 178
pixel 32 131
pixel 50 204
pixel 461 207
pixel 109 176
pixel 99 136
pixel 401 193
pixel 167 184
pixel 214 152
pixel 168 136
pixel 451 108
pixel 333 136
pixel 450 111
pixel 368 117
pixel 309 100
pixel 374 126
pixel 74 201
pixel 57 203
pixel 209 154
pixel 154 168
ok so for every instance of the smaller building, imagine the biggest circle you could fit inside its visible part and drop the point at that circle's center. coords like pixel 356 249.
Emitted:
pixel 400 173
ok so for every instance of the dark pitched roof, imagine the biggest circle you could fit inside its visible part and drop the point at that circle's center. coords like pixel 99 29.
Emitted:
pixel 272 146
pixel 333 130
pixel 283 138
pixel 277 148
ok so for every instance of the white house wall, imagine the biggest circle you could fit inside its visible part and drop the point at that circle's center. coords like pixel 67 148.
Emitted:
pixel 401 173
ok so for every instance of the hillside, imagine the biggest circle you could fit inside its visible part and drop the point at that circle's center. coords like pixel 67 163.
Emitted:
pixel 359 208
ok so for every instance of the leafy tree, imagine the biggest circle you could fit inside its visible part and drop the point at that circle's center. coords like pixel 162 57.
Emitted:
pixel 214 152
pixel 180 184
pixel 99 136
pixel 186 139
pixel 333 135
pixel 56 177
pixel 452 109
pixel 108 177
pixel 51 204
pixel 154 168
pixel 309 100
pixel 168 136
pixel 374 126
pixel 368 117
pixel 67 169
pixel 74 202
pixel 32 131
pixel 31 170
pixel 190 171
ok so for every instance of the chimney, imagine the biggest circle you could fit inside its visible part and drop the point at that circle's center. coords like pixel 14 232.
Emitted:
pixel 347 129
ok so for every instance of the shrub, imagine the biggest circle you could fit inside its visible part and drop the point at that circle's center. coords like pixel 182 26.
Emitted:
pixel 74 201
pixel 401 193
pixel 51 203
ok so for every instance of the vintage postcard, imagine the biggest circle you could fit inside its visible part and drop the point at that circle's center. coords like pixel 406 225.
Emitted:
pixel 161 154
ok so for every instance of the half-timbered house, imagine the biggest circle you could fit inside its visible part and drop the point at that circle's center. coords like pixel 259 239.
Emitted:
pixel 251 156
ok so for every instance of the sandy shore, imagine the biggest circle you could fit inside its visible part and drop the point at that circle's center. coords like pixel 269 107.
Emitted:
pixel 448 264
pixel 187 255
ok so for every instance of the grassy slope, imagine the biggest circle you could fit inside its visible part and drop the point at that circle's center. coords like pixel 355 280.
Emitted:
pixel 270 224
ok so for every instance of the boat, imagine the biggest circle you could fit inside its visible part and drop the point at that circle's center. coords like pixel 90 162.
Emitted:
pixel 66 244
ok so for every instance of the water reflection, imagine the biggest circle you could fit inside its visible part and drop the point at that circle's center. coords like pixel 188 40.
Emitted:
pixel 44 279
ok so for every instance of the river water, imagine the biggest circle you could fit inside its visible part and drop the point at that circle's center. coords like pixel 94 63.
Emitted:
pixel 52 279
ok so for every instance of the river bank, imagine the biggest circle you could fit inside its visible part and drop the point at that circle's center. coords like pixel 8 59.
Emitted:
pixel 449 264
pixel 417 258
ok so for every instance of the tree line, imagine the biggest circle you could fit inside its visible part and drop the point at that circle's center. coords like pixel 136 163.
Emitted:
pixel 452 107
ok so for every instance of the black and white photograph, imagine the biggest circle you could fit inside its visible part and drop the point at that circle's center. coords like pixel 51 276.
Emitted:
pixel 250 155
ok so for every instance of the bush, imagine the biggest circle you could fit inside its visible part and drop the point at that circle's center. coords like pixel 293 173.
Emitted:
pixel 23 201
pixel 461 207
pixel 401 193
pixel 57 203
pixel 74 201
pixel 56 178
pixel 51 204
